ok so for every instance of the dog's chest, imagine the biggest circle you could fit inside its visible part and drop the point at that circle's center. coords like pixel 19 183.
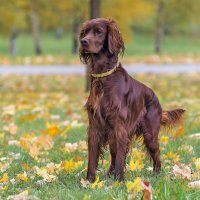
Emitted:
pixel 100 101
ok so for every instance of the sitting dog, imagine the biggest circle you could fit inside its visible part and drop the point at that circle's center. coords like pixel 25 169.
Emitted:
pixel 119 107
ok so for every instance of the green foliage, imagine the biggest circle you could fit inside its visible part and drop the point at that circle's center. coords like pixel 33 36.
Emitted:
pixel 12 16
pixel 127 13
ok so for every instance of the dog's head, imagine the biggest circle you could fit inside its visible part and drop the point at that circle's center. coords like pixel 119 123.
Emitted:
pixel 100 34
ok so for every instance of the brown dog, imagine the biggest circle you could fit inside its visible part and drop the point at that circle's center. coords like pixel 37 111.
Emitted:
pixel 118 106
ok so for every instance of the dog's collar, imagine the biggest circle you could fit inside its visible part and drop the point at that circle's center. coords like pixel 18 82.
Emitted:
pixel 106 73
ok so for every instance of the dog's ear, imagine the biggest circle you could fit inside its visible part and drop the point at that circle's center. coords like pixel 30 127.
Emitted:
pixel 115 41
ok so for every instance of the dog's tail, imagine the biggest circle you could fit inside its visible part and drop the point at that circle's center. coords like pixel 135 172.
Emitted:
pixel 172 117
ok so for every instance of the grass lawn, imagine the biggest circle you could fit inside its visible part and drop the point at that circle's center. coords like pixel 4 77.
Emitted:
pixel 142 45
pixel 42 141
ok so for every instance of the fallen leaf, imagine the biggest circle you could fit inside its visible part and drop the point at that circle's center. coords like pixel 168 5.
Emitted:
pixel 13 143
pixel 85 183
pixel 197 163
pixel 182 171
pixel 164 140
pixel 137 165
pixel 22 196
pixel 147 190
pixel 195 136
pixel 22 177
pixel 194 185
pixel 5 178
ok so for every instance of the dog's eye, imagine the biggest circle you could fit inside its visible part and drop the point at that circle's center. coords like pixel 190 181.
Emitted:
pixel 97 31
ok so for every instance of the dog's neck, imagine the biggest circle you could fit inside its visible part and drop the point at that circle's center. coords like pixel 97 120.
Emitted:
pixel 103 62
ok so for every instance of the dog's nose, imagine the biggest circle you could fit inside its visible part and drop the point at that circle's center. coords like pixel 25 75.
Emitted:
pixel 85 42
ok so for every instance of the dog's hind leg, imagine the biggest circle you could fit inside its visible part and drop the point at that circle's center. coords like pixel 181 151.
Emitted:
pixel 151 126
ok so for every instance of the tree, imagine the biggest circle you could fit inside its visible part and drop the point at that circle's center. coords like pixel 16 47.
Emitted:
pixel 171 14
pixel 94 9
pixel 35 10
pixel 127 13
pixel 11 22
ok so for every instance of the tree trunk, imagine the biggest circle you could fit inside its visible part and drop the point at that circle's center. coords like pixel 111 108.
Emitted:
pixel 94 13
pixel 94 9
pixel 75 32
pixel 59 32
pixel 36 32
pixel 159 27
pixel 13 42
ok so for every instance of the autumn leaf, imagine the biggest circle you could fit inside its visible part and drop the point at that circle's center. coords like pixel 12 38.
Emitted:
pixel 164 140
pixel 173 156
pixel 53 129
pixel 97 184
pixel 30 118
pixel 137 165
pixel 25 165
pixel 134 186
pixel 5 178
pixel 69 147
pixel 43 172
pixel 180 132
pixel 137 154
pixel 147 190
pixel 197 163
pixel 9 110
pixel 182 171
pixel 194 185
pixel 186 148
pixel 22 177
pixel 71 165
pixel 21 196
pixel 12 128
pixel 85 183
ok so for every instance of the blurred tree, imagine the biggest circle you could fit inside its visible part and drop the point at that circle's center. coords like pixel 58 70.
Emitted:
pixel 70 15
pixel 127 13
pixel 94 9
pixel 35 11
pixel 171 14
pixel 11 22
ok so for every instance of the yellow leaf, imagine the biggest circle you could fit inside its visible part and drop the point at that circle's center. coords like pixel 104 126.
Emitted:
pixel 197 163
pixel 5 178
pixel 71 165
pixel 22 177
pixel 137 165
pixel 174 156
pixel 25 165
pixel 164 140
pixel 134 186
pixel 137 154
pixel 97 184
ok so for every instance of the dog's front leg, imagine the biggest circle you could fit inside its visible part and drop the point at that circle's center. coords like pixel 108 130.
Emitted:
pixel 93 155
pixel 121 142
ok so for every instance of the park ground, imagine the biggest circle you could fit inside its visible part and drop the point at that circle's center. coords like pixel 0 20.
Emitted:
pixel 43 153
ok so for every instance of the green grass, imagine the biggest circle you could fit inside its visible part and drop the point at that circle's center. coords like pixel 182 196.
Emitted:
pixel 142 45
pixel 64 96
